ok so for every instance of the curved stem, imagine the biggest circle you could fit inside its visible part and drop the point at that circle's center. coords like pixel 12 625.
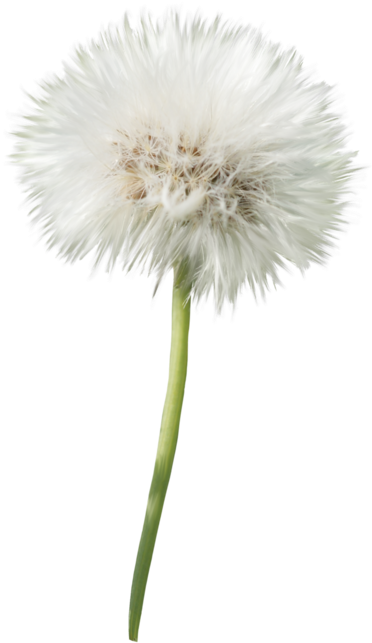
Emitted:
pixel 165 453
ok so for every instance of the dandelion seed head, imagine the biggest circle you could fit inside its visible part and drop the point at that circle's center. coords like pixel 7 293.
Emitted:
pixel 187 143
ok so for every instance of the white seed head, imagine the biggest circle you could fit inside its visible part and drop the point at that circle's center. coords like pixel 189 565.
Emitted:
pixel 187 144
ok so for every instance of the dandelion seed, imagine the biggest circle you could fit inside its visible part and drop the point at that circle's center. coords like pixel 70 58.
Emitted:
pixel 208 142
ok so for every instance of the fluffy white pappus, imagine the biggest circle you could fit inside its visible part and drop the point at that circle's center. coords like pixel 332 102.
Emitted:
pixel 186 143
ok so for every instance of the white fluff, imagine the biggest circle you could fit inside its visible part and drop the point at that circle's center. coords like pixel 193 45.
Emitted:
pixel 187 142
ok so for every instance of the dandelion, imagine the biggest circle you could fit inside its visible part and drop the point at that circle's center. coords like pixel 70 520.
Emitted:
pixel 199 148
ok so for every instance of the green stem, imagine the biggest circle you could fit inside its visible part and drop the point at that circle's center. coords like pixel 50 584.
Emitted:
pixel 165 454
